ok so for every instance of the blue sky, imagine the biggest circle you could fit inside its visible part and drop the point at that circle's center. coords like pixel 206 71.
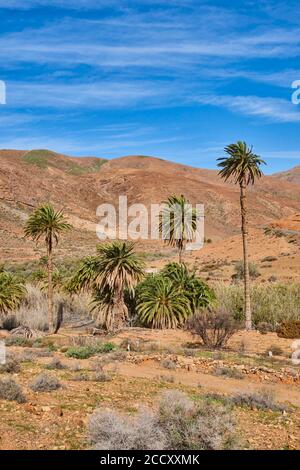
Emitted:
pixel 178 80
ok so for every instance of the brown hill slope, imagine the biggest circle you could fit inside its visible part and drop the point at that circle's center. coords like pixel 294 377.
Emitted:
pixel 28 178
pixel 292 175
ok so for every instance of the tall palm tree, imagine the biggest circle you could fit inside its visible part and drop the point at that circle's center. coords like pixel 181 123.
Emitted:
pixel 115 268
pixel 48 224
pixel 178 223
pixel 243 166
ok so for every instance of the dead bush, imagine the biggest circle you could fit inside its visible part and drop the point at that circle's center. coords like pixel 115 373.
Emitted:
pixel 188 425
pixel 262 400
pixel 109 430
pixel 228 372
pixel 10 390
pixel 55 364
pixel 289 329
pixel 168 364
pixel 12 366
pixel 45 383
pixel 214 326
pixel 178 424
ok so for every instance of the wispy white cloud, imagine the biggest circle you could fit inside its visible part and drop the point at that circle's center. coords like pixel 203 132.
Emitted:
pixel 274 109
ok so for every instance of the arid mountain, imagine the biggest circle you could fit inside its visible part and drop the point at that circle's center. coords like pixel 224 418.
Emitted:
pixel 79 185
pixel 292 176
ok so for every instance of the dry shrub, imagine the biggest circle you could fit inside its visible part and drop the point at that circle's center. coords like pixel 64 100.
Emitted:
pixel 228 372
pixel 10 390
pixel 189 425
pixel 289 329
pixel 214 326
pixel 168 364
pixel 262 400
pixel 264 327
pixel 11 366
pixel 55 364
pixel 32 312
pixel 109 430
pixel 45 383
pixel 178 424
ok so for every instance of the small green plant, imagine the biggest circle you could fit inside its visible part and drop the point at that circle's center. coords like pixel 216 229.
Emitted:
pixel 84 352
pixel 18 341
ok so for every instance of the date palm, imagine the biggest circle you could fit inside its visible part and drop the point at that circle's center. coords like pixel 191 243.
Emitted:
pixel 116 267
pixel 178 223
pixel 160 304
pixel 243 166
pixel 11 292
pixel 48 224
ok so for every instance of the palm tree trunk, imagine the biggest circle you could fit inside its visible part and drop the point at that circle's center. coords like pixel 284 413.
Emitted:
pixel 245 253
pixel 119 311
pixel 50 287
pixel 180 255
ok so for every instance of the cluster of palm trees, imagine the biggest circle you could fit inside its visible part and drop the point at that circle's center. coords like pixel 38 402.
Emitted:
pixel 116 276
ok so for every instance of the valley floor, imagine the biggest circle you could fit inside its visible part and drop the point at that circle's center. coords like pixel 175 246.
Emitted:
pixel 157 360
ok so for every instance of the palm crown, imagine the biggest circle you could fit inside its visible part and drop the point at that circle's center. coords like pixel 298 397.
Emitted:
pixel 178 222
pixel 46 222
pixel 241 164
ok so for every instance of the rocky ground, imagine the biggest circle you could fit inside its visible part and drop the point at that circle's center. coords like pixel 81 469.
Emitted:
pixel 144 364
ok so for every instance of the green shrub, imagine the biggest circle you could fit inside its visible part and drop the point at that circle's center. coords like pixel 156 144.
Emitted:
pixel 271 303
pixel 239 271
pixel 84 352
pixel 289 329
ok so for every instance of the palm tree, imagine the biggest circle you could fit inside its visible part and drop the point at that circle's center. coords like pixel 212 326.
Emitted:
pixel 178 223
pixel 243 166
pixel 11 292
pixel 160 305
pixel 198 292
pixel 115 268
pixel 48 224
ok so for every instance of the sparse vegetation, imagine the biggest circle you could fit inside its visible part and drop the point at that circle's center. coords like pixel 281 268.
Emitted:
pixel 178 424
